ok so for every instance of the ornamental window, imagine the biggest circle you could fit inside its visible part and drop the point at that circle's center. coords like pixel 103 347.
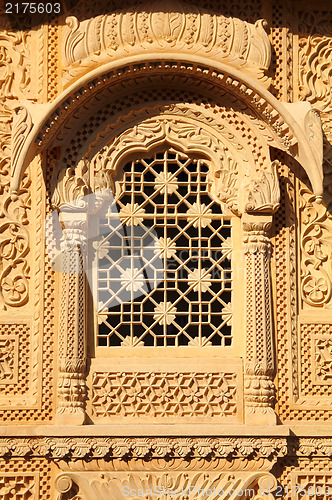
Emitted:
pixel 162 272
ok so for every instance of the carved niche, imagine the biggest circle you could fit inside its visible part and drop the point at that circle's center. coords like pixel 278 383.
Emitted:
pixel 227 56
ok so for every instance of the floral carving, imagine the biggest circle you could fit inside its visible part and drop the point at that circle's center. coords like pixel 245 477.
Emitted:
pixel 14 237
pixel 200 280
pixel 131 215
pixel 199 215
pixel 323 359
pixel 8 360
pixel 316 248
pixel 165 313
pixel 170 485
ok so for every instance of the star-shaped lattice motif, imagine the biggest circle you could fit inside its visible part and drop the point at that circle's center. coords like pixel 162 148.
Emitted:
pixel 131 214
pixel 199 214
pixel 165 247
pixel 166 183
pixel 200 279
pixel 165 313
pixel 132 280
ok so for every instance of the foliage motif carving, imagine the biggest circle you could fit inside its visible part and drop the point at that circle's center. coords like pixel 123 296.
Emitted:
pixel 8 360
pixel 14 241
pixel 170 485
pixel 171 28
pixel 14 238
pixel 323 359
pixel 229 184
pixel 164 394
pixel 316 248
pixel 315 75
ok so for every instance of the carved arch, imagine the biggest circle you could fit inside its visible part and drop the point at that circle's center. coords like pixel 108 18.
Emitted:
pixel 289 124
pixel 235 177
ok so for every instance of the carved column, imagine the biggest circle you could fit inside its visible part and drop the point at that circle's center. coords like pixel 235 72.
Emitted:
pixel 72 335
pixel 259 389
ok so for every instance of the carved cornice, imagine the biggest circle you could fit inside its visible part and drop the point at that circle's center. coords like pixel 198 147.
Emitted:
pixel 165 26
pixel 141 447
pixel 255 448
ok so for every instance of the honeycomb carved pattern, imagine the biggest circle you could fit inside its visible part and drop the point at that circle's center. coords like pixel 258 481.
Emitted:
pixel 293 472
pixel 294 374
pixel 193 105
pixel 44 412
pixel 164 394
pixel 17 337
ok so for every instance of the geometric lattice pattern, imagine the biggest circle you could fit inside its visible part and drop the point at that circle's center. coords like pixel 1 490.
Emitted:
pixel 22 479
pixel 309 485
pixel 164 394
pixel 14 359
pixel 18 487
pixel 164 274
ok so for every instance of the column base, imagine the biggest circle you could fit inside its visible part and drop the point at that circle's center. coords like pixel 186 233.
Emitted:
pixel 260 415
pixel 70 416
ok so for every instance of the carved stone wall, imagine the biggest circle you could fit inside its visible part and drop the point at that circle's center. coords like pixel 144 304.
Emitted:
pixel 81 93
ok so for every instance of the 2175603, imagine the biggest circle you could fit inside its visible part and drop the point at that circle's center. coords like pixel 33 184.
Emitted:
pixel 33 8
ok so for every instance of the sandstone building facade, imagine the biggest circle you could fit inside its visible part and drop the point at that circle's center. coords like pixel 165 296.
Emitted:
pixel 165 250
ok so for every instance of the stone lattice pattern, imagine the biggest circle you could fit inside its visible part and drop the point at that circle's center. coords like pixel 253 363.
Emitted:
pixel 19 487
pixel 177 289
pixel 164 394
pixel 25 480
pixel 305 473
pixel 18 381
pixel 316 360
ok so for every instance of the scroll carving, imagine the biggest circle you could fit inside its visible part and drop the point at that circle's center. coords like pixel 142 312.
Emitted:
pixel 14 237
pixel 111 486
pixel 316 247
pixel 169 27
